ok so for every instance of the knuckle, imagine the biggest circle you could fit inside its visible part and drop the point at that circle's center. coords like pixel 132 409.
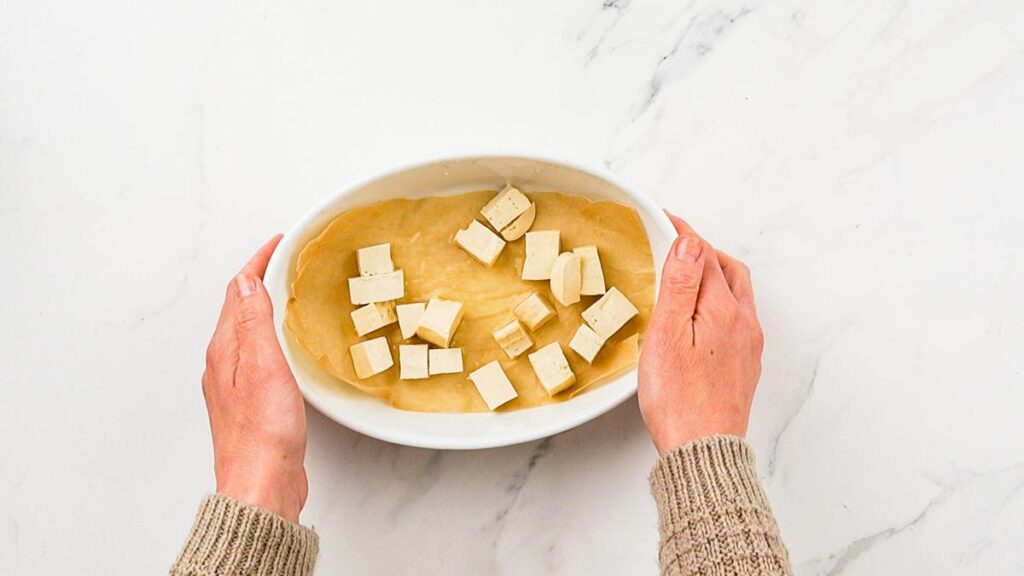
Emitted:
pixel 680 287
pixel 248 315
pixel 740 267
pixel 681 280
pixel 207 381
pixel 744 274
pixel 757 336
pixel 213 355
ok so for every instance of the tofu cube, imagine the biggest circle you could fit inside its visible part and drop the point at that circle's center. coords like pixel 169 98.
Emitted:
pixel 371 357
pixel 508 205
pixel 521 225
pixel 373 317
pixel 480 243
pixel 492 383
pixel 592 283
pixel 409 318
pixel 412 361
pixel 541 252
pixel 439 321
pixel 609 313
pixel 379 288
pixel 552 368
pixel 534 311
pixel 586 343
pixel 445 361
pixel 513 338
pixel 375 260
pixel 565 279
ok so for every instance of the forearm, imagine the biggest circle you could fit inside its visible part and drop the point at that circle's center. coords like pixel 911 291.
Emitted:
pixel 230 537
pixel 714 516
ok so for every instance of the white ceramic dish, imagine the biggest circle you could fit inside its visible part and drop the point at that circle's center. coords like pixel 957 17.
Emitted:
pixel 377 418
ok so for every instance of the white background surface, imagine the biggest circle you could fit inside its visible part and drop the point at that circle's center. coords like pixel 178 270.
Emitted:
pixel 863 157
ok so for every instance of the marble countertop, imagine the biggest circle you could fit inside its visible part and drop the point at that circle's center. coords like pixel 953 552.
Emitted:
pixel 865 158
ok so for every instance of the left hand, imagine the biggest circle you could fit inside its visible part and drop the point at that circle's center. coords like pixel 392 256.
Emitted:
pixel 257 417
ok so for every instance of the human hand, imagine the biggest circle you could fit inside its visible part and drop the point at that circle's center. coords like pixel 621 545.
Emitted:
pixel 257 417
pixel 701 357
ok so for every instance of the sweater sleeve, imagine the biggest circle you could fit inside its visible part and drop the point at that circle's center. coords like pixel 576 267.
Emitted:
pixel 229 537
pixel 714 517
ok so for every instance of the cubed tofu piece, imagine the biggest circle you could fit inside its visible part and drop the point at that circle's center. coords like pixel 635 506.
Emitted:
pixel 480 243
pixel 565 278
pixel 371 357
pixel 541 252
pixel 375 260
pixel 552 368
pixel 412 361
pixel 534 311
pixel 591 273
pixel 586 343
pixel 492 383
pixel 409 318
pixel 373 317
pixel 521 225
pixel 609 313
pixel 445 361
pixel 513 338
pixel 439 321
pixel 379 288
pixel 504 208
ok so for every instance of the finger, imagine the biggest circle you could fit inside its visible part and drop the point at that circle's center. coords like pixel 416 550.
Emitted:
pixel 222 353
pixel 226 321
pixel 714 289
pixel 682 228
pixel 681 279
pixel 257 265
pixel 737 274
pixel 254 322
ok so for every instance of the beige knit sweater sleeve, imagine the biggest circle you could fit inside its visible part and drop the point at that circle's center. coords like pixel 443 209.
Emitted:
pixel 714 516
pixel 229 537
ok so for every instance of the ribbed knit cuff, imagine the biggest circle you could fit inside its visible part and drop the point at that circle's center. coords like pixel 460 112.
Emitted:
pixel 230 537
pixel 714 517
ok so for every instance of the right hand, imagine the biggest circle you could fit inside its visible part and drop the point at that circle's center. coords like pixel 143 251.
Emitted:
pixel 701 357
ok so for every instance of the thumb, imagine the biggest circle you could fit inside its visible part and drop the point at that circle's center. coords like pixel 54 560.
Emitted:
pixel 254 317
pixel 680 279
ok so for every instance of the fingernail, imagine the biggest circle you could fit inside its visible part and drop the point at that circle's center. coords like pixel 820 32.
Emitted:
pixel 245 284
pixel 688 249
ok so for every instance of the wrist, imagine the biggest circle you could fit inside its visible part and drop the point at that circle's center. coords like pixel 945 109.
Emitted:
pixel 278 486
pixel 671 435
